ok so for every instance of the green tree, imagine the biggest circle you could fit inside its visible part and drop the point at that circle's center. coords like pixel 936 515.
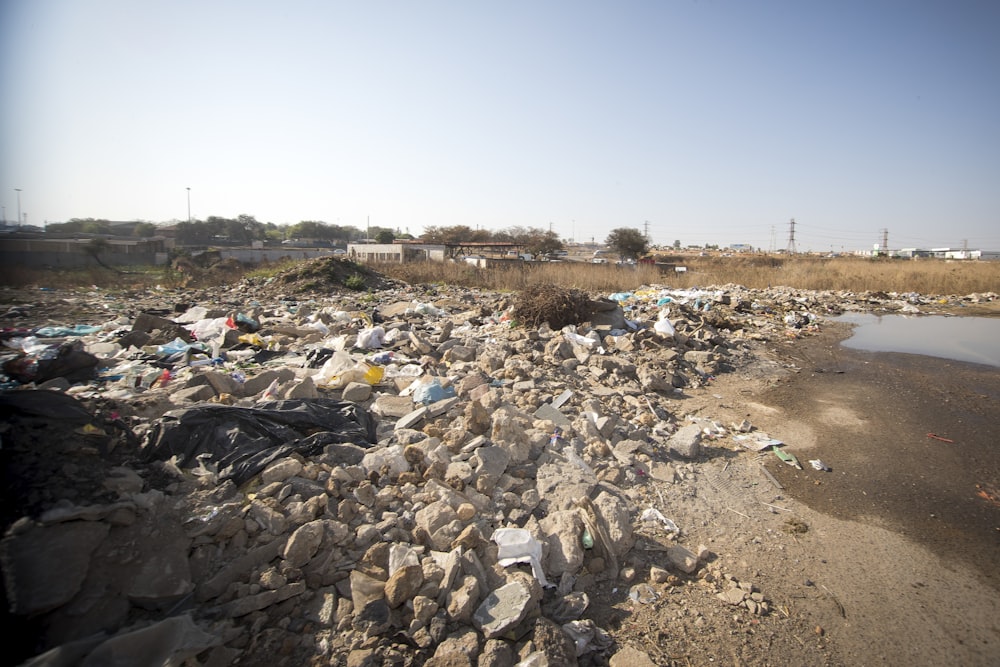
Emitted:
pixel 677 244
pixel 543 242
pixel 385 236
pixel 144 230
pixel 628 242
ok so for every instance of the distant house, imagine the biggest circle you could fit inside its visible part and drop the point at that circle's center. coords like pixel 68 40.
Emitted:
pixel 395 252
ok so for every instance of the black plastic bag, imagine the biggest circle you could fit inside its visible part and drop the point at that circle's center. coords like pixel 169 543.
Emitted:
pixel 243 441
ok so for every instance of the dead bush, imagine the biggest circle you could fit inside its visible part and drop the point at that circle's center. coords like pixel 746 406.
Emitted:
pixel 557 306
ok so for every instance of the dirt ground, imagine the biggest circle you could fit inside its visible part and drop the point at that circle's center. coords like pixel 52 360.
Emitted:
pixel 891 557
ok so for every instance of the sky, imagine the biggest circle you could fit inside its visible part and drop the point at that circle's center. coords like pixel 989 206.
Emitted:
pixel 699 121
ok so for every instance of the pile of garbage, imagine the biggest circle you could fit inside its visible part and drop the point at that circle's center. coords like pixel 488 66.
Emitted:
pixel 413 483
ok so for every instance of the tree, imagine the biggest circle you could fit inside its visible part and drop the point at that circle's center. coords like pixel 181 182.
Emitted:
pixel 677 244
pixel 543 242
pixel 144 230
pixel 95 247
pixel 385 236
pixel 628 242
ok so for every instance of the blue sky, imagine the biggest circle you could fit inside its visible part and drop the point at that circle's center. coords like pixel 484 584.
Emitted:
pixel 708 121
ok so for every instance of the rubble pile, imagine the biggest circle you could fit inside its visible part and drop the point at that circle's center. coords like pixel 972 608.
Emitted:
pixel 398 481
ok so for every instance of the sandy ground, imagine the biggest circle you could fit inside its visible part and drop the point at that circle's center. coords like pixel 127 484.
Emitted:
pixel 899 561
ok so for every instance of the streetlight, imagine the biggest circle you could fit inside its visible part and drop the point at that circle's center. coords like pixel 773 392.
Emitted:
pixel 18 191
pixel 189 204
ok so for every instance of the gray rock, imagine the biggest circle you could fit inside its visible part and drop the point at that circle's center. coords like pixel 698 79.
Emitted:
pixel 412 419
pixel 686 442
pixel 392 406
pixel 357 392
pixel 504 608
pixel 563 531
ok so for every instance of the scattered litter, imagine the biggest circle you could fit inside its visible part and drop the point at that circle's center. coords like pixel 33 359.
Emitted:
pixel 643 594
pixel 767 473
pixel 652 514
pixel 518 546
pixel 988 494
pixel 819 465
pixel 757 442
pixel 787 458
pixel 938 437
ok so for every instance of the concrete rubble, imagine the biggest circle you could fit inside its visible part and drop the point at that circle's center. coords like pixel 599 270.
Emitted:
pixel 383 550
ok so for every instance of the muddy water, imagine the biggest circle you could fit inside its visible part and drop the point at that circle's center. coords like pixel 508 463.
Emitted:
pixel 972 339
pixel 887 467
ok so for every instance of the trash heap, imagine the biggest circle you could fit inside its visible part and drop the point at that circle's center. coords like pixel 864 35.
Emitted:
pixel 401 481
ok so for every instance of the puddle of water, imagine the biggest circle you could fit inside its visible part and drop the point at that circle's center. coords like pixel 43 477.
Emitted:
pixel 971 339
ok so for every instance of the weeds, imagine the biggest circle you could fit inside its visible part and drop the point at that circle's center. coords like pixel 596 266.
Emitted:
pixel 931 277
pixel 923 276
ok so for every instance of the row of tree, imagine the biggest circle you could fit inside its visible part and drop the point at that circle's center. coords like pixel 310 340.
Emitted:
pixel 629 243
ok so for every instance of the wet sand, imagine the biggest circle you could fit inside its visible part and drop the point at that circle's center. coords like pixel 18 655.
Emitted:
pixel 868 416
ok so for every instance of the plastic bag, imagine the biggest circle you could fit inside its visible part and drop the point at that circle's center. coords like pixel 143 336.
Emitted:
pixel 341 369
pixel 209 328
pixel 370 339
pixel 663 325
pixel 518 546
pixel 432 391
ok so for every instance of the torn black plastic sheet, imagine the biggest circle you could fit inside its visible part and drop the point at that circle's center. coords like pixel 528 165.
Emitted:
pixel 242 441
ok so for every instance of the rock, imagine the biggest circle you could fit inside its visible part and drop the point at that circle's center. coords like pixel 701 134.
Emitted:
pixel 629 656
pixel 357 392
pixel 403 585
pixel 686 442
pixel 682 558
pixel 387 405
pixel 733 596
pixel 280 471
pixel 412 419
pixel 303 543
pixel 462 601
pixel 563 530
pixel 45 568
pixel 504 608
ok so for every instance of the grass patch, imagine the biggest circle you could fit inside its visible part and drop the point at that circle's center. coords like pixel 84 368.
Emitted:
pixel 924 276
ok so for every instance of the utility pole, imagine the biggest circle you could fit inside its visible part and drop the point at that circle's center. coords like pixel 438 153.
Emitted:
pixel 791 237
pixel 189 204
pixel 771 249
pixel 18 191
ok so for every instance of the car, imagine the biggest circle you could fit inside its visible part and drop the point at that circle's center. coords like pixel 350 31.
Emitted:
pixel 339 251
pixel 599 260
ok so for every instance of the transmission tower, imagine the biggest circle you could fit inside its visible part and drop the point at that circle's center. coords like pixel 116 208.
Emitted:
pixel 791 237
pixel 885 240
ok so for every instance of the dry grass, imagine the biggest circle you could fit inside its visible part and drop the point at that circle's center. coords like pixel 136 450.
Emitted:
pixel 930 277
pixel 558 306
pixel 925 276
pixel 131 277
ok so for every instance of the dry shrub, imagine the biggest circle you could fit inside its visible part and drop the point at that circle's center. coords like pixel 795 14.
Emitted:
pixel 558 306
